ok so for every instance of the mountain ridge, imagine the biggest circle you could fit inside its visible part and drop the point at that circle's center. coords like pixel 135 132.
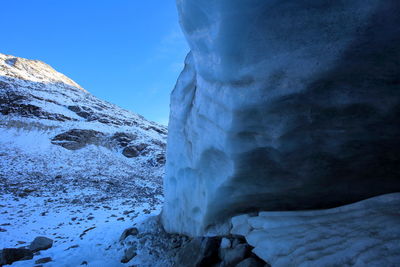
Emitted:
pixel 70 161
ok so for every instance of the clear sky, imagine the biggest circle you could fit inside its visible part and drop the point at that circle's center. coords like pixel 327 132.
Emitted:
pixel 128 52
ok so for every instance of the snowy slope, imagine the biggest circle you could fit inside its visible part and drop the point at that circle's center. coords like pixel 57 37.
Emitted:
pixel 70 161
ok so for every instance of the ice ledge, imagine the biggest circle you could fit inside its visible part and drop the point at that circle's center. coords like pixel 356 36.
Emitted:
pixel 366 233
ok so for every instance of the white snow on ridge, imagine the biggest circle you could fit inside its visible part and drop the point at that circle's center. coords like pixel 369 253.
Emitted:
pixel 36 83
pixel 33 70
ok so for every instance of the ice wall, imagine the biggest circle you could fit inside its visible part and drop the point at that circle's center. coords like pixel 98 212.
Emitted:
pixel 282 105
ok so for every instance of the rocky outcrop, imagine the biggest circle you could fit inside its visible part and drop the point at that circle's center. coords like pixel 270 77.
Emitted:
pixel 10 255
pixel 33 89
pixel 130 145
pixel 282 106
pixel 148 242
pixel 77 138
pixel 15 104
pixel 35 97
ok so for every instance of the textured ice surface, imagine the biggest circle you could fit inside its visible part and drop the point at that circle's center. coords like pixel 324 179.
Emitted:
pixel 365 233
pixel 282 105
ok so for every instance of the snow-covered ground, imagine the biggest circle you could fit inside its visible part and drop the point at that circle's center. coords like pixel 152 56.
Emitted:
pixel 66 224
pixel 73 168
pixel 49 191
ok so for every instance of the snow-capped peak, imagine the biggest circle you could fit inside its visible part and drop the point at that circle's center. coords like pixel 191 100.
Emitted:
pixel 32 70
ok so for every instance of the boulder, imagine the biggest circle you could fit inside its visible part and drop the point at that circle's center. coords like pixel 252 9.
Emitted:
pixel 130 152
pixel 41 243
pixel 123 139
pixel 77 138
pixel 127 232
pixel 200 251
pixel 129 254
pixel 10 255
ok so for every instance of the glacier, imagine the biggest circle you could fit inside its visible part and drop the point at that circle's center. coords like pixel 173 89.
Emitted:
pixel 365 233
pixel 282 106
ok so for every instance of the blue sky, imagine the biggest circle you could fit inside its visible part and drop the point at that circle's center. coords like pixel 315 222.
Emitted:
pixel 128 52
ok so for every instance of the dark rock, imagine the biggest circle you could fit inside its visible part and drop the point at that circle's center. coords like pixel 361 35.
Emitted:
pixel 29 190
pixel 200 251
pixel 4 85
pixel 252 262
pixel 146 211
pixel 85 231
pixel 160 158
pixel 10 255
pixel 140 147
pixel 158 129
pixel 11 61
pixel 127 212
pixel 123 139
pixel 176 242
pixel 43 260
pixel 130 152
pixel 41 243
pixel 84 263
pixel 73 246
pixel 18 107
pixel 76 201
pixel 128 232
pixel 129 254
pixel 232 256
pixel 77 138
pixel 83 112
pixel 159 143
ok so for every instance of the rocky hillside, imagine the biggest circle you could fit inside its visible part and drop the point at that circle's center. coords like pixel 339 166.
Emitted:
pixel 45 108
pixel 70 161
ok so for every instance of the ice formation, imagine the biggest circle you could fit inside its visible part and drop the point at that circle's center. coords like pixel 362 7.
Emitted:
pixel 365 233
pixel 282 105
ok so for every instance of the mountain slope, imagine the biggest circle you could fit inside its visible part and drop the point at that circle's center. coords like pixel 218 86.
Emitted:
pixel 70 161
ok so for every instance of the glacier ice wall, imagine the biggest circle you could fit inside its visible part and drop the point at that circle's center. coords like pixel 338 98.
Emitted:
pixel 282 105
